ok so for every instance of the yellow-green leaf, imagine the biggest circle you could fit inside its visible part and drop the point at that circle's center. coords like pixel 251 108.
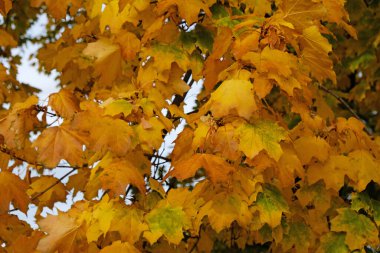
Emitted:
pixel 271 204
pixel 166 220
pixel 263 135
pixel 360 230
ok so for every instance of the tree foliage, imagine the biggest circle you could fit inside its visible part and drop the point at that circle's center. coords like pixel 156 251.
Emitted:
pixel 280 153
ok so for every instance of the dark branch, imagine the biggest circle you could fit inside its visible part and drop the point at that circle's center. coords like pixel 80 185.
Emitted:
pixel 325 89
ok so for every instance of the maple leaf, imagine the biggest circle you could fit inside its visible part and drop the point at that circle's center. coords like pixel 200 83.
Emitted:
pixel 308 147
pixel 315 194
pixel 116 174
pixel 119 246
pixel 6 40
pixel 298 236
pixel 64 103
pixel 15 127
pixel 14 231
pixel 129 223
pixel 64 233
pixel 233 96
pixel 102 131
pixel 5 7
pixel 150 133
pixel 366 168
pixel 263 135
pixel 13 191
pixel 289 166
pixel 105 51
pixel 58 193
pixel 57 143
pixel 115 107
pixel 334 243
pixel 301 13
pixel 224 208
pixel 130 45
pixel 57 9
pixel 359 229
pixel 271 205
pixel 98 219
pixel 217 168
pixel 280 66
pixel 167 220
pixel 371 206
pixel 188 11
pixel 114 18
pixel 315 54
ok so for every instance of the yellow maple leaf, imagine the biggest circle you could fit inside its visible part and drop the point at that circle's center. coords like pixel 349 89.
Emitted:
pixel 233 96
pixel 336 167
pixel 118 246
pixel 104 138
pixel 105 51
pixel 114 19
pixel 224 208
pixel 289 167
pixel 308 147
pixel 129 223
pixel 315 54
pixel 187 10
pixel 116 174
pixel 130 45
pixel 114 107
pixel 99 218
pixel 150 133
pixel 366 168
pixel 57 143
pixel 301 13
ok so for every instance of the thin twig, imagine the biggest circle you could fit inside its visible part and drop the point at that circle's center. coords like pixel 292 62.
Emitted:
pixel 48 188
pixel 19 158
pixel 325 89
pixel 167 159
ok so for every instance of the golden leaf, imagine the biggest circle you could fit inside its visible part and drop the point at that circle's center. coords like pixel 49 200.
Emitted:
pixel 217 168
pixel 64 103
pixel 233 96
pixel 13 191
pixel 57 143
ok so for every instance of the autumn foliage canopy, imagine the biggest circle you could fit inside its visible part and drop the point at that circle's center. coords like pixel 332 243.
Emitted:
pixel 279 153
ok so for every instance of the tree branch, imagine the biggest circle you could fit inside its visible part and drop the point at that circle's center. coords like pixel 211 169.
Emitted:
pixel 340 99
pixel 49 187
pixel 19 158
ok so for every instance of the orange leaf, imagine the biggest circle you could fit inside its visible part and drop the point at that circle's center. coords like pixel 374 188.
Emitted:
pixel 217 168
pixel 12 189
pixel 57 143
pixel 64 103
